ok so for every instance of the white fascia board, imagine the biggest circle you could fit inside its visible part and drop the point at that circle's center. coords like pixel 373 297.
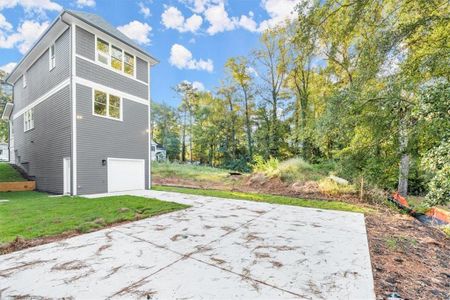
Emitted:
pixel 7 111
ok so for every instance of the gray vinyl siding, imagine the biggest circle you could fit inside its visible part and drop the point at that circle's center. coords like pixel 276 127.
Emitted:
pixel 39 79
pixel 99 138
pixel 40 151
pixel 86 48
pixel 95 73
pixel 142 69
pixel 85 43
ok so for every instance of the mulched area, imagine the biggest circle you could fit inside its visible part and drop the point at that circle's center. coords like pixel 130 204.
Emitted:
pixel 408 257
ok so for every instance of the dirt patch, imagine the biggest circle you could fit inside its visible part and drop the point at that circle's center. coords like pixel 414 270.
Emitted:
pixel 273 186
pixel 20 243
pixel 408 257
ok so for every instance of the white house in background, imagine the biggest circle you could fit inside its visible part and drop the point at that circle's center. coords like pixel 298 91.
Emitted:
pixel 4 152
pixel 158 151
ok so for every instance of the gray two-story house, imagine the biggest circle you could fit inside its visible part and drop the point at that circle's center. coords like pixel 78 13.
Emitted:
pixel 81 110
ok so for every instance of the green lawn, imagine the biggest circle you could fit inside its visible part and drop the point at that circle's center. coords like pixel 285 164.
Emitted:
pixel 33 214
pixel 9 174
pixel 321 204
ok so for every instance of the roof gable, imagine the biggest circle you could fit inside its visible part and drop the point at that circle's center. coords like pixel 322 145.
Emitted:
pixel 101 24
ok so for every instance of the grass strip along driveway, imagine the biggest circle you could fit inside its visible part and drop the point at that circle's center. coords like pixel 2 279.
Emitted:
pixel 36 215
pixel 274 199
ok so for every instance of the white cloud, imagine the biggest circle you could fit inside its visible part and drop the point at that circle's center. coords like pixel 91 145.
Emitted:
pixel 193 23
pixel 83 3
pixel 137 31
pixel 144 10
pixel 173 18
pixel 196 85
pixel 24 37
pixel 8 67
pixel 279 11
pixel 181 58
pixel 31 5
pixel 218 19
pixel 5 25
pixel 199 6
pixel 248 23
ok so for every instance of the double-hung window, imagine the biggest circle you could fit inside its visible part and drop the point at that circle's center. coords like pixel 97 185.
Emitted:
pixel 103 51
pixel 107 105
pixel 28 120
pixel 115 58
pixel 128 66
pixel 51 57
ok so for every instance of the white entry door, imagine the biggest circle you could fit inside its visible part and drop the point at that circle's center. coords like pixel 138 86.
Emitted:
pixel 66 174
pixel 125 174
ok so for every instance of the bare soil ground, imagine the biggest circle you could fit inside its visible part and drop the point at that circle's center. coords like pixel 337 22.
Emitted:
pixel 408 257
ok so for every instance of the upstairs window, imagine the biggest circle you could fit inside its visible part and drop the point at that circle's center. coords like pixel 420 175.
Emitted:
pixel 28 120
pixel 106 105
pixel 51 57
pixel 128 66
pixel 24 80
pixel 115 57
pixel 103 51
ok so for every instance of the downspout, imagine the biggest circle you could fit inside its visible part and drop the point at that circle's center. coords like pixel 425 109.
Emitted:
pixel 73 157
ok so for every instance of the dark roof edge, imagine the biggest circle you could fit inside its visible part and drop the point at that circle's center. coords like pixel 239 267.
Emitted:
pixel 109 33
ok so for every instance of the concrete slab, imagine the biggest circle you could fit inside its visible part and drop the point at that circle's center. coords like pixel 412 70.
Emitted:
pixel 217 249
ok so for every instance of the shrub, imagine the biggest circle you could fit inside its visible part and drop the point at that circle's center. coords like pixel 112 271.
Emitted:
pixel 437 162
pixel 267 167
pixel 330 187
pixel 296 169
pixel 239 164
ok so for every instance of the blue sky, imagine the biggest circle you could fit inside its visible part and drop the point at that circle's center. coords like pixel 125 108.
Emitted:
pixel 192 39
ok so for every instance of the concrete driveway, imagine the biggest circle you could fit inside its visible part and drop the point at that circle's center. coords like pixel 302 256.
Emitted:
pixel 217 249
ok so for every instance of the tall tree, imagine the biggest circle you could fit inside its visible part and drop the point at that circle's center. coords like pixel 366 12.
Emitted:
pixel 239 69
pixel 271 63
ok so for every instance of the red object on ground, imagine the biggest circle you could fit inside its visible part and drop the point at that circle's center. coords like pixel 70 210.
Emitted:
pixel 397 197
pixel 439 214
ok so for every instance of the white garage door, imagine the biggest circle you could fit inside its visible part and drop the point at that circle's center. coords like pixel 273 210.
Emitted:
pixel 126 174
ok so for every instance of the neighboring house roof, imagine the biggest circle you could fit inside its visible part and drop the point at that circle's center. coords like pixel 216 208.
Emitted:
pixel 90 19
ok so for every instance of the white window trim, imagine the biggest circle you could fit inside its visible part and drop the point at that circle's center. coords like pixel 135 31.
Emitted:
pixel 107 106
pixel 24 80
pixel 51 57
pixel 108 66
pixel 28 122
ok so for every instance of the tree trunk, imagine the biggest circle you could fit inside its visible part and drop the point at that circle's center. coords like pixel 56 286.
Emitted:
pixel 248 126
pixel 183 141
pixel 233 130
pixel 190 136
pixel 404 159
